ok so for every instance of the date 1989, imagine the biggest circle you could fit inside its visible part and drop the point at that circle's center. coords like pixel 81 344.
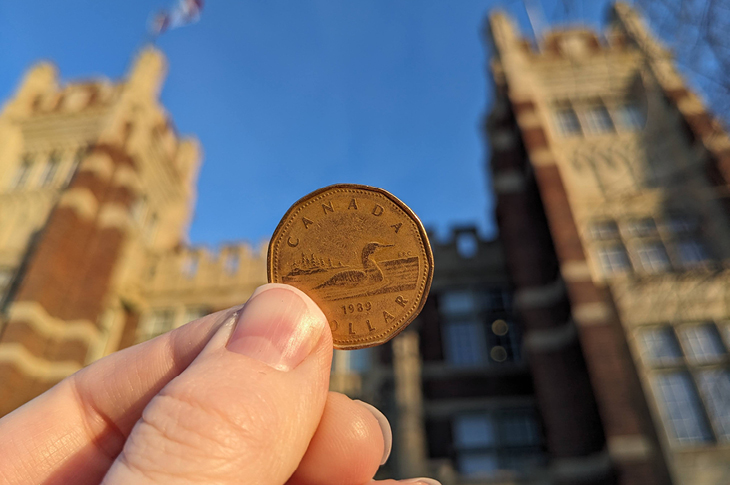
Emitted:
pixel 357 307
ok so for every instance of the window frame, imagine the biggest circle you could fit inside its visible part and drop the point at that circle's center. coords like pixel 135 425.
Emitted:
pixel 694 369
pixel 497 445
pixel 609 272
pixel 479 307
pixel 621 109
pixel 636 241
pixel 50 169
pixel 22 173
pixel 590 121
pixel 195 311
pixel 688 265
pixel 150 326
pixel 632 227
pixel 455 354
pixel 597 230
pixel 562 122
pixel 640 247
pixel 703 423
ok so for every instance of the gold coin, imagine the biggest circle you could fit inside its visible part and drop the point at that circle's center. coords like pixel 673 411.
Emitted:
pixel 361 254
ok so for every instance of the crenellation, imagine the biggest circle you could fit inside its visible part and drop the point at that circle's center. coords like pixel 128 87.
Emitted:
pixel 40 79
pixel 69 99
pixel 201 267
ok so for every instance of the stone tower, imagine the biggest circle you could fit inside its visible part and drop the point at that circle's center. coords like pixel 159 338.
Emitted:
pixel 611 181
pixel 96 195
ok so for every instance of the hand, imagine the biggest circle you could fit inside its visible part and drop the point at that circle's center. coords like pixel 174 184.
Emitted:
pixel 239 396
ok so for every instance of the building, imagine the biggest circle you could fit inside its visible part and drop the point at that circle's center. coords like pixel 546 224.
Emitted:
pixel 612 203
pixel 96 191
pixel 588 345
pixel 454 384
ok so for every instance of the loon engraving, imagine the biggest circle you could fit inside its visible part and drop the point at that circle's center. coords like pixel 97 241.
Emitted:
pixel 370 272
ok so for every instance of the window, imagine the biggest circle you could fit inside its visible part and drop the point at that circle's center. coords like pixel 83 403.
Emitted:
pixel 157 323
pixel 478 464
pixel 604 230
pixel 21 174
pixel 80 154
pixel 682 233
pixel 474 430
pixel 715 388
pixel 500 440
pixel 614 259
pixel 693 395
pixel 681 224
pixel 660 346
pixel 473 434
pixel 519 428
pixel 597 120
pixel 691 253
pixel 195 312
pixel 630 116
pixel 681 406
pixel 498 300
pixel 645 227
pixel 653 257
pixel 702 343
pixel 465 343
pixel 474 332
pixel 49 171
pixel 671 243
pixel 567 121
pixel 360 360
pixel 458 302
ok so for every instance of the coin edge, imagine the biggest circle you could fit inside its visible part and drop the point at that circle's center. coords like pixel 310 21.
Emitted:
pixel 421 230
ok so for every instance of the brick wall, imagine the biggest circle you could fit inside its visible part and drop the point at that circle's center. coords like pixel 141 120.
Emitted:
pixel 69 277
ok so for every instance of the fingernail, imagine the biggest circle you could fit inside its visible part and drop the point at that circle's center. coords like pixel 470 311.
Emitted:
pixel 422 481
pixel 279 325
pixel 384 428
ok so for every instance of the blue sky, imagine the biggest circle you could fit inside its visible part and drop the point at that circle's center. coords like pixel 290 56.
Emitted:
pixel 290 96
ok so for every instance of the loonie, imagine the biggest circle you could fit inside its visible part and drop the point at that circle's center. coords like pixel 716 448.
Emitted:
pixel 361 254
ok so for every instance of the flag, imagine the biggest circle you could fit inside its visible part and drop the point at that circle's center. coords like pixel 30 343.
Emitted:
pixel 183 13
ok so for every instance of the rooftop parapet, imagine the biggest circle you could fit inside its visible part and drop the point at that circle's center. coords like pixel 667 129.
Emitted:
pixel 201 268
pixel 624 32
pixel 465 255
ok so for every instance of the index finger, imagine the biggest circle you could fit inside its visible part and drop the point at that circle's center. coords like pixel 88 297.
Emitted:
pixel 73 432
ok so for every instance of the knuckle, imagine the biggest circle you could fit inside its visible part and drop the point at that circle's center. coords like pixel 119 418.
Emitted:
pixel 188 433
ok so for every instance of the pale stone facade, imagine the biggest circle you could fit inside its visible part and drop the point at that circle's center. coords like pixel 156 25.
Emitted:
pixel 620 149
pixel 49 161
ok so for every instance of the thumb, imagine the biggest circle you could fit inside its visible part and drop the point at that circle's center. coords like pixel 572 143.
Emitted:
pixel 246 408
